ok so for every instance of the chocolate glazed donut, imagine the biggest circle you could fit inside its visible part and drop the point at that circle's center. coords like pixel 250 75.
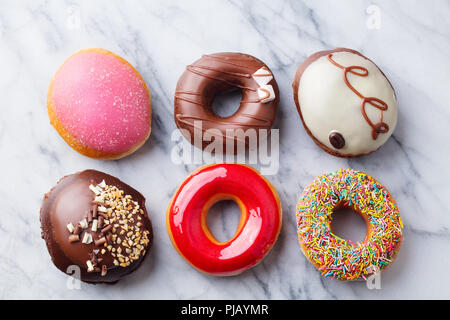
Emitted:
pixel 69 201
pixel 219 72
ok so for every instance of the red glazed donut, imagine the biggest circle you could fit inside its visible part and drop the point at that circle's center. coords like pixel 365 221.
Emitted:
pixel 258 227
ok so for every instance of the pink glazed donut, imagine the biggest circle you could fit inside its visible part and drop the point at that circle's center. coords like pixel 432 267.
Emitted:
pixel 100 105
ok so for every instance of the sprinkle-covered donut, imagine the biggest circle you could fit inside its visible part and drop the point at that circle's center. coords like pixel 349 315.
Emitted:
pixel 346 103
pixel 219 72
pixel 100 104
pixel 258 227
pixel 333 256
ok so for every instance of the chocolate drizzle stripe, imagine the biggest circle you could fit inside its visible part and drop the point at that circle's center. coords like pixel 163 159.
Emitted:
pixel 251 101
pixel 268 74
pixel 379 127
pixel 242 101
pixel 237 124
pixel 190 100
pixel 190 68
pixel 267 92
pixel 237 74
pixel 226 61
pixel 255 118
pixel 183 119
pixel 189 93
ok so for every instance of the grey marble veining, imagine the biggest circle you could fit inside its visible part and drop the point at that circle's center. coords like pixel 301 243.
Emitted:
pixel 409 40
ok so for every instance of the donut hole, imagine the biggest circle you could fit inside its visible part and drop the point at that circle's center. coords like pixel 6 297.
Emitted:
pixel 226 103
pixel 347 224
pixel 223 219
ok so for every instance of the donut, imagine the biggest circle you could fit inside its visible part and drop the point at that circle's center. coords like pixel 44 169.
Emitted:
pixel 257 230
pixel 343 259
pixel 219 72
pixel 98 223
pixel 100 105
pixel 347 105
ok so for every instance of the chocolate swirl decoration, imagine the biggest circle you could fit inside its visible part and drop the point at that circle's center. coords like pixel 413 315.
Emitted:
pixel 377 128
pixel 219 72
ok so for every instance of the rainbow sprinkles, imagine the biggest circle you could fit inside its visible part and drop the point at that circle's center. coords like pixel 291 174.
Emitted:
pixel 333 256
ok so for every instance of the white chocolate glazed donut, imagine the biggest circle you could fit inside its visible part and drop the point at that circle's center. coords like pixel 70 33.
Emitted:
pixel 353 109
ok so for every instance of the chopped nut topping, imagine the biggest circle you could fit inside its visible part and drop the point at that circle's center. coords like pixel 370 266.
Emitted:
pixel 90 266
pixel 70 227
pixel 104 270
pixel 84 224
pixel 99 199
pixel 94 225
pixel 87 238
pixel 117 224
pixel 74 238
pixel 94 189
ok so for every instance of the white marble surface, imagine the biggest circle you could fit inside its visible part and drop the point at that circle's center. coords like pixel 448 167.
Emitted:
pixel 412 46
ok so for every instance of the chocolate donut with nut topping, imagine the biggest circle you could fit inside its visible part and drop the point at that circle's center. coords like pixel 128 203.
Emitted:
pixel 96 222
